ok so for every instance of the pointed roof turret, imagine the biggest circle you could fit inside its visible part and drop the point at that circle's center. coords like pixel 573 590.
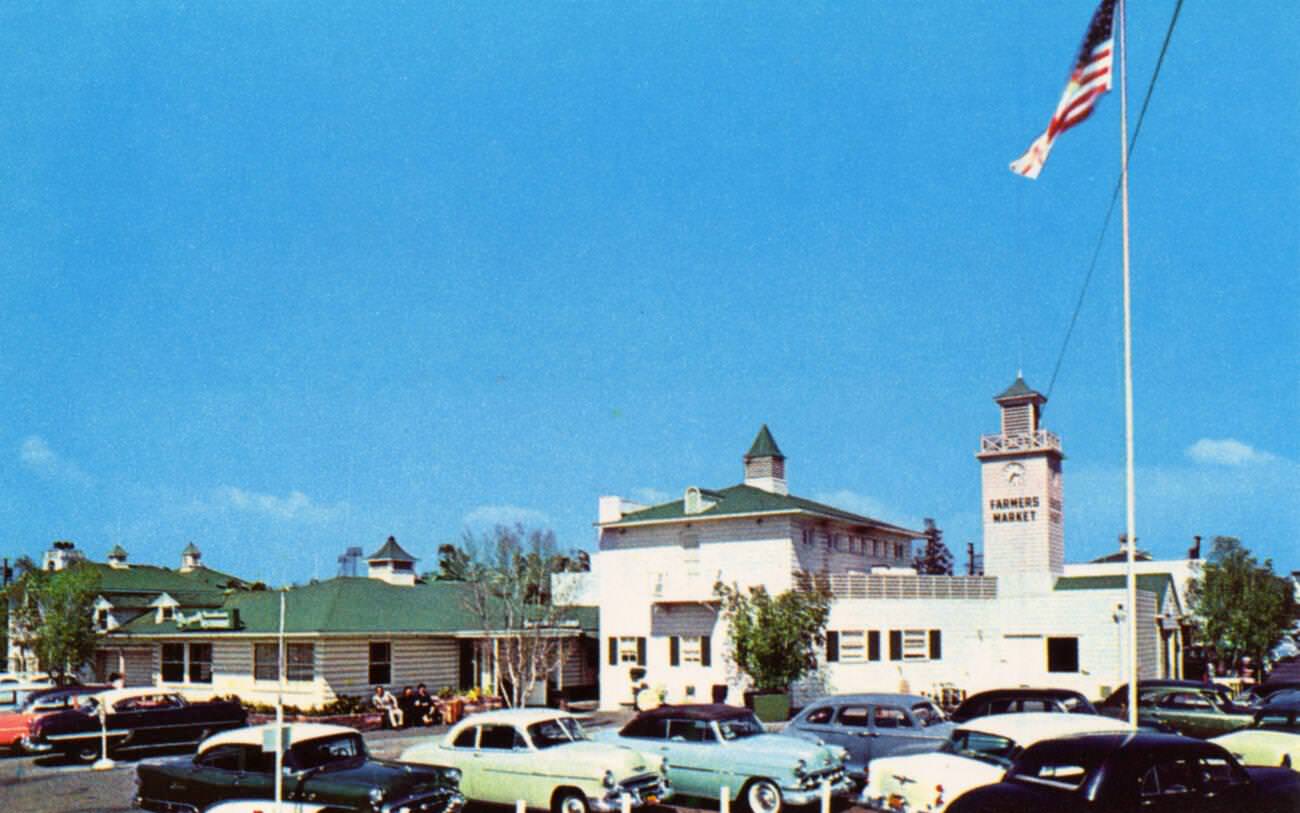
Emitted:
pixel 764 445
pixel 1019 390
pixel 390 552
pixel 118 552
pixel 765 465
pixel 191 550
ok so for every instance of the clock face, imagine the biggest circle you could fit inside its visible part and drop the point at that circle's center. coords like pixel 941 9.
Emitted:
pixel 1015 473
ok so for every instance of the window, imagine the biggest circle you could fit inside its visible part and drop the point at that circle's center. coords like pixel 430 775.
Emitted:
pixel 627 649
pixel 381 662
pixel 807 535
pixel 101 618
pixel 1063 654
pixel 167 612
pixel 690 731
pixel 222 757
pixel 173 663
pixel 266 662
pixel 891 717
pixel 876 548
pixel 915 645
pixel 851 646
pixel 465 739
pixel 819 716
pixel 501 738
pixel 854 716
pixel 200 666
pixel 693 650
pixel 301 661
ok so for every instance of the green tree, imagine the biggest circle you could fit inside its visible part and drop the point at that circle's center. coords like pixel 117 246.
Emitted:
pixel 774 639
pixel 53 616
pixel 1243 606
pixel 936 559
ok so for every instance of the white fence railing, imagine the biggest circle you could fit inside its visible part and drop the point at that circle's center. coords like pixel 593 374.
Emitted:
pixel 1022 442
pixel 870 586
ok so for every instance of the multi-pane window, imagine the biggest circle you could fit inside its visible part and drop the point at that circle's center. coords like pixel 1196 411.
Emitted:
pixel 381 662
pixel 853 646
pixel 200 666
pixel 186 663
pixel 627 649
pixel 915 645
pixel 266 661
pixel 301 662
pixel 173 663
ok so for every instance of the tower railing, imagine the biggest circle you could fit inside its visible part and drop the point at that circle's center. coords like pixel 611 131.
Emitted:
pixel 898 586
pixel 1035 441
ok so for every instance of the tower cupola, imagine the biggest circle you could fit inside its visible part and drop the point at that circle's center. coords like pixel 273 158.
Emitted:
pixel 190 558
pixel 765 465
pixel 117 558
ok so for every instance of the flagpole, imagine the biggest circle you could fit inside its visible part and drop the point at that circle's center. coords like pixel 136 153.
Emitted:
pixel 1130 512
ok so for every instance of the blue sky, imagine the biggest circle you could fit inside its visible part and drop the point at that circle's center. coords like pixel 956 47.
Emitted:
pixel 284 278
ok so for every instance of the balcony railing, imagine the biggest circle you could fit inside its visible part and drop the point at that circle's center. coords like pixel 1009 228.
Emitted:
pixel 1022 442
pixel 888 587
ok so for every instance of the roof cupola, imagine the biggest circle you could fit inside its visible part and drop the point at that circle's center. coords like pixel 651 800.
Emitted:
pixel 392 564
pixel 190 558
pixel 117 558
pixel 765 465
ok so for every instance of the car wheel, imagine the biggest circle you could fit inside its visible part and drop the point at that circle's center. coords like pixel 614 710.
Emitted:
pixel 569 801
pixel 763 796
pixel 86 753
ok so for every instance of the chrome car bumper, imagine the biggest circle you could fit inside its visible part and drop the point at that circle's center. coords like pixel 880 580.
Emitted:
pixel 30 747
pixel 641 796
pixel 436 803
pixel 840 788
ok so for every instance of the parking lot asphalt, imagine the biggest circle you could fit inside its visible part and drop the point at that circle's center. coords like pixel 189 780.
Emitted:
pixel 49 784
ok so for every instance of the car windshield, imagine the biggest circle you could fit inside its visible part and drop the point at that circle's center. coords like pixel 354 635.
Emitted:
pixel 988 748
pixel 559 731
pixel 740 728
pixel 324 751
pixel 1076 705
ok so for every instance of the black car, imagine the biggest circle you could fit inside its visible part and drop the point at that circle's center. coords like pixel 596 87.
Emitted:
pixel 1013 701
pixel 134 719
pixel 1127 773
pixel 325 768
pixel 1262 693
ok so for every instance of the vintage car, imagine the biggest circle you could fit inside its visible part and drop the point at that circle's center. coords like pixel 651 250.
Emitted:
pixel 1272 739
pixel 978 753
pixel 870 726
pixel 1116 703
pixel 1197 711
pixel 1261 693
pixel 326 769
pixel 543 757
pixel 1128 773
pixel 714 746
pixel 135 719
pixel 1015 701
pixel 15 724
pixel 13 695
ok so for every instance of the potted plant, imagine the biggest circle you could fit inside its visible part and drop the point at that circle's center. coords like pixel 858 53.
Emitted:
pixel 774 641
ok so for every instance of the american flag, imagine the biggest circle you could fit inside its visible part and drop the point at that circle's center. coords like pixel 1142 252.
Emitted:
pixel 1090 78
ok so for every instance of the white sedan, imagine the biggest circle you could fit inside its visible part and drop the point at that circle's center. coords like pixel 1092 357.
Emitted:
pixel 977 753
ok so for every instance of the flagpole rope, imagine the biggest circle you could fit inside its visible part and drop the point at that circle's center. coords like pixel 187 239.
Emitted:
pixel 1114 198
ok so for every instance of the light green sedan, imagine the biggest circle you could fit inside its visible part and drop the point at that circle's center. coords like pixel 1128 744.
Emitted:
pixel 1273 739
pixel 543 757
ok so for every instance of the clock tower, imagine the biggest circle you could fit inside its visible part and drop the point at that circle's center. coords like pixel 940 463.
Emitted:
pixel 1024 533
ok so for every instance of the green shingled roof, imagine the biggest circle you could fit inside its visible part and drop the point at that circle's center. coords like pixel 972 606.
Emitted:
pixel 1158 583
pixel 764 445
pixel 154 580
pixel 391 552
pixel 743 499
pixel 353 605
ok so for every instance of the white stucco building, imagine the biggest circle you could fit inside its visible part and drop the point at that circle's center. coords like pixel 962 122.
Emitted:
pixel 1029 620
